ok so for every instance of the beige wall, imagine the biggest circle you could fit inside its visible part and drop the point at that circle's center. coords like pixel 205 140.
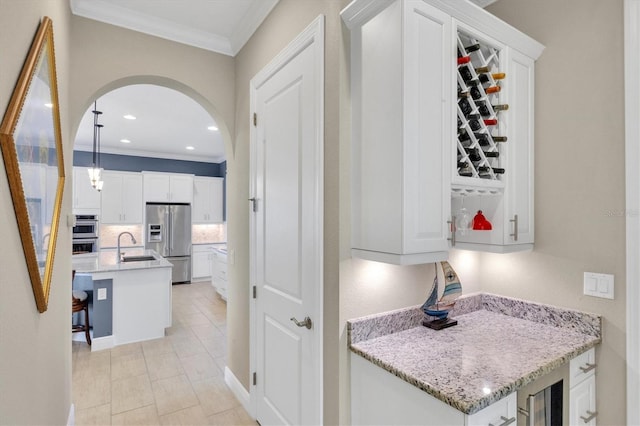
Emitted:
pixel 579 175
pixel 35 349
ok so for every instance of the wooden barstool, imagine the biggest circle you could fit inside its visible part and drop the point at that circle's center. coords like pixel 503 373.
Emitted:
pixel 79 303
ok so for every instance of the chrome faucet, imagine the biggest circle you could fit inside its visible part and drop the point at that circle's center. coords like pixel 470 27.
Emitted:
pixel 133 240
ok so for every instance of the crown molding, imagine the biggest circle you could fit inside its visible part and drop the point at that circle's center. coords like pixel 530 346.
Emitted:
pixel 167 156
pixel 109 13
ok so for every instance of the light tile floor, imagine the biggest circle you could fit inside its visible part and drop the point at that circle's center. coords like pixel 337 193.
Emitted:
pixel 176 380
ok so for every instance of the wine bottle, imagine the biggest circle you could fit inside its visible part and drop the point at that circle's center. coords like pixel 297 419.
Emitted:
pixel 492 89
pixel 467 171
pixel 484 78
pixel 465 107
pixel 462 94
pixel 473 154
pixel 475 92
pixel 475 125
pixel 463 164
pixel 482 70
pixel 472 48
pixel 490 121
pixel 502 107
pixel 482 138
pixel 466 74
pixel 499 138
pixel 464 60
pixel 490 154
pixel 498 170
pixel 484 109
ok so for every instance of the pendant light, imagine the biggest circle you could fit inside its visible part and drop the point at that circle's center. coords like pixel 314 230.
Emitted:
pixel 95 171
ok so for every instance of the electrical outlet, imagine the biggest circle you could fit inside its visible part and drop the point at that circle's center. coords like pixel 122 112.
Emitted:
pixel 598 285
pixel 102 293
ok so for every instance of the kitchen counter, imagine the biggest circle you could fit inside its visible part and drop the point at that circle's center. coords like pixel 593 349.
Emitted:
pixel 106 261
pixel 499 345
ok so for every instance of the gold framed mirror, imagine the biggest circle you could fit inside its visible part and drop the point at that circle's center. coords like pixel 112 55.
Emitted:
pixel 31 144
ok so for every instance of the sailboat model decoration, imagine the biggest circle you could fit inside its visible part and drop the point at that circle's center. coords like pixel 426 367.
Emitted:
pixel 437 309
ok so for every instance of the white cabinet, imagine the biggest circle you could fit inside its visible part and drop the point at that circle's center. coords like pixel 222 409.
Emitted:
pixel 407 127
pixel 401 91
pixel 167 187
pixel 219 273
pixel 582 393
pixel 202 255
pixel 207 200
pixel 86 199
pixel 379 397
pixel 121 198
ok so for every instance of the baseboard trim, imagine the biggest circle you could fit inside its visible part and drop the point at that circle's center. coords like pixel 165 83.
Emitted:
pixel 238 390
pixel 100 343
pixel 71 420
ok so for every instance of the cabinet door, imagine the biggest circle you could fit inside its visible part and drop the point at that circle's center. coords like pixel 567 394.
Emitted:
pixel 582 403
pixel 156 187
pixel 498 413
pixel 427 107
pixel 519 151
pixel 84 195
pixel 111 212
pixel 132 198
pixel 216 214
pixel 202 201
pixel 201 264
pixel 181 188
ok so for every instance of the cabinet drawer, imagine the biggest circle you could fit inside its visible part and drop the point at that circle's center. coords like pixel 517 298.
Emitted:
pixel 582 367
pixel 502 412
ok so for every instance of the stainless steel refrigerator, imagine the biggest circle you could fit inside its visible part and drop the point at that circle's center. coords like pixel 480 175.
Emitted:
pixel 168 231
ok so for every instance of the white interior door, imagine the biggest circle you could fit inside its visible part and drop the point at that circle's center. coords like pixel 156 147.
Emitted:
pixel 286 261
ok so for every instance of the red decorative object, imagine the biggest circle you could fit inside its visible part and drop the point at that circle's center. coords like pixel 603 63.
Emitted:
pixel 480 223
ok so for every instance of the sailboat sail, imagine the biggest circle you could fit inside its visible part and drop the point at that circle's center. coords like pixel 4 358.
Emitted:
pixel 452 289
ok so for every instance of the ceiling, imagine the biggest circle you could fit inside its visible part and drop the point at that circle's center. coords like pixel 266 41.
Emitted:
pixel 168 121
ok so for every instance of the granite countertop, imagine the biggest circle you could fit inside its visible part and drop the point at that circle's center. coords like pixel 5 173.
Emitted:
pixel 106 261
pixel 499 345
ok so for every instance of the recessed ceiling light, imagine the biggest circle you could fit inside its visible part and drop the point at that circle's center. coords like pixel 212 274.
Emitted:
pixel 190 148
pixel 212 128
pixel 50 105
pixel 125 141
pixel 130 117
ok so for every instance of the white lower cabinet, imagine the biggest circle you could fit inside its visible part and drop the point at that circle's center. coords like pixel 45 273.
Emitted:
pixel 379 397
pixel 201 258
pixel 219 273
pixel 582 382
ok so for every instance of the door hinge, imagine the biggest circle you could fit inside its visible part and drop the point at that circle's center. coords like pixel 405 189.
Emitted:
pixel 254 292
pixel 255 119
pixel 255 378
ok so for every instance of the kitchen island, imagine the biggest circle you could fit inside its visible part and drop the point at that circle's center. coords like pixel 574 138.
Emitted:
pixel 499 346
pixel 131 300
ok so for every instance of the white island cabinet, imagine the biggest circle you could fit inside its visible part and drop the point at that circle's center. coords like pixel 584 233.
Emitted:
pixel 131 300
pixel 442 110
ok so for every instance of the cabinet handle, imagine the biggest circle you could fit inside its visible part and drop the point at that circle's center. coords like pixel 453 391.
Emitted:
pixel 592 415
pixel 587 367
pixel 505 421
pixel 515 227
pixel 452 227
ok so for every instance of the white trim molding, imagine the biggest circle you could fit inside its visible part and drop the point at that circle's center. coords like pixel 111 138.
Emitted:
pixel 632 172
pixel 239 391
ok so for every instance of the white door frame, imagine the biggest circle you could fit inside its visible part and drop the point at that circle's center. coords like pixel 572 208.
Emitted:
pixel 632 216
pixel 313 34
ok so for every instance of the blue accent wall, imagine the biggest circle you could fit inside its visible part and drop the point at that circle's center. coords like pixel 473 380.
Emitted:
pixel 130 163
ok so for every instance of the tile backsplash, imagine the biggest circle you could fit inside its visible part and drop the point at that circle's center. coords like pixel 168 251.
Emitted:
pixel 200 234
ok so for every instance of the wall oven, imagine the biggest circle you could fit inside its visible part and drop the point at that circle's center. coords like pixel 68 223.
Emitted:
pixel 85 234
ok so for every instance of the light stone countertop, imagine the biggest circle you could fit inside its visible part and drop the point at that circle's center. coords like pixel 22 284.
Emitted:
pixel 106 261
pixel 499 345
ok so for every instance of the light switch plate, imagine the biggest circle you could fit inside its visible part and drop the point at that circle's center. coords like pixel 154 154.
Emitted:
pixel 598 285
pixel 102 293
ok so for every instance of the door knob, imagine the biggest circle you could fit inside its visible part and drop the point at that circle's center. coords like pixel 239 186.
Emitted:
pixel 306 322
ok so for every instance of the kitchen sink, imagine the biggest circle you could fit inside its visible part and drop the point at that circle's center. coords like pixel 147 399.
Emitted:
pixel 137 258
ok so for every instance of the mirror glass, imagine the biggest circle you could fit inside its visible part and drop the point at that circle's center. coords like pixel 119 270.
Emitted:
pixel 32 152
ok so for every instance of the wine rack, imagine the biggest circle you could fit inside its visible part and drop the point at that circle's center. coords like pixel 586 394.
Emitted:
pixel 480 115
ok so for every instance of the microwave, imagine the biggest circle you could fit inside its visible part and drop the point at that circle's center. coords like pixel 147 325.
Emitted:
pixel 84 245
pixel 86 227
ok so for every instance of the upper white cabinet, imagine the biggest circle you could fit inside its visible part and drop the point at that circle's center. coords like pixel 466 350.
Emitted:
pixel 86 199
pixel 408 145
pixel 207 200
pixel 121 198
pixel 167 187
